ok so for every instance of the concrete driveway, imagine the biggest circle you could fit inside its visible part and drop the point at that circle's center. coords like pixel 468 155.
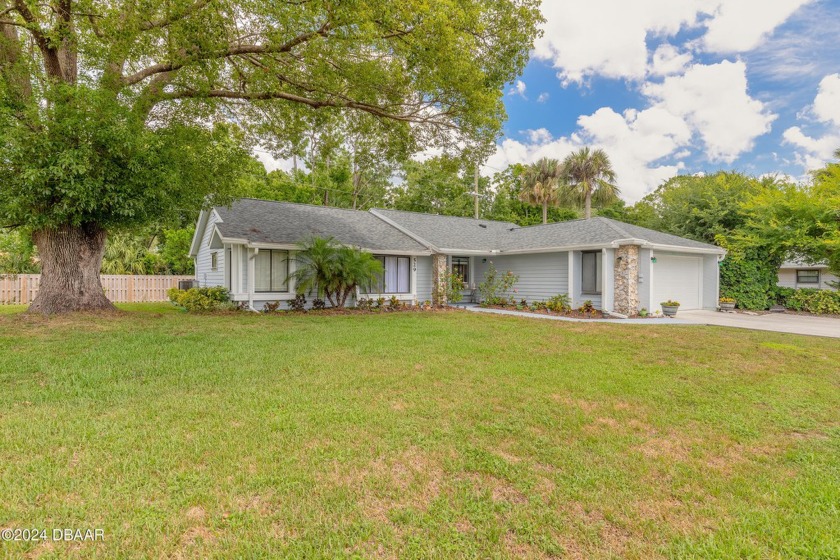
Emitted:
pixel 777 322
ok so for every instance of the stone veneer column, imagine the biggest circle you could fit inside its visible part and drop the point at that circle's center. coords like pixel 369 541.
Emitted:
pixel 438 279
pixel 626 280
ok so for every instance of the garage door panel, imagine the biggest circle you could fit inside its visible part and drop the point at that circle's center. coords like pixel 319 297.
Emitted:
pixel 677 278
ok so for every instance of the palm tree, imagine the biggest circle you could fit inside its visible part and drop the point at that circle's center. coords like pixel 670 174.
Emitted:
pixel 331 270
pixel 589 176
pixel 354 268
pixel 540 184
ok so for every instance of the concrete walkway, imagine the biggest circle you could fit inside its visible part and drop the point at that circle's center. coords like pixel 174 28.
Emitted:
pixel 776 322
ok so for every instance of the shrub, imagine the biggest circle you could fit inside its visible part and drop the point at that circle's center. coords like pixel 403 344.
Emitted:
pixel 297 304
pixel 751 281
pixel 643 312
pixel 380 302
pixel 394 302
pixel 173 294
pixel 451 288
pixel 318 304
pixel 587 307
pixel 495 285
pixel 203 299
pixel 559 303
pixel 814 301
pixel 271 306
pixel 364 304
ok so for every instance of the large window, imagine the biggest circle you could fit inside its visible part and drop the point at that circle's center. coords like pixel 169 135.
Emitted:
pixel 270 271
pixel 396 276
pixel 461 266
pixel 807 276
pixel 591 272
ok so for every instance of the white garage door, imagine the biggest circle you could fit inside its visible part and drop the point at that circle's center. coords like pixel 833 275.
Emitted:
pixel 677 278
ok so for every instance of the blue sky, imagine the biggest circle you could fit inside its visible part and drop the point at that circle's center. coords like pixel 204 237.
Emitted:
pixel 680 86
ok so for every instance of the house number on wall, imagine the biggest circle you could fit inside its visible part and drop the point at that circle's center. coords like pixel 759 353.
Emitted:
pixel 414 264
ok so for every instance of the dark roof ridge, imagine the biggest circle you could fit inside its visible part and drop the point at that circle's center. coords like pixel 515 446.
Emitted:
pixel 447 216
pixel 286 202
pixel 614 225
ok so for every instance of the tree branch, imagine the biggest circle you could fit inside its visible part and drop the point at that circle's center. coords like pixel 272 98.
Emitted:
pixel 165 22
pixel 414 116
pixel 247 49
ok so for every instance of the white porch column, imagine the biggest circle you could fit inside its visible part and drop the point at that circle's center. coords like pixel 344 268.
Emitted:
pixel 252 257
pixel 572 276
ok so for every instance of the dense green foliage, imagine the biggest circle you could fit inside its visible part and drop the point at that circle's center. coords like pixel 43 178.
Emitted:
pixel 761 222
pixel 200 299
pixel 811 300
pixel 17 253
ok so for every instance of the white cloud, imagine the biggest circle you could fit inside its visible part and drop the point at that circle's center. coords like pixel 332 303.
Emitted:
pixel 634 141
pixel 713 99
pixel 742 25
pixel 667 60
pixel 827 101
pixel 543 97
pixel 518 89
pixel 272 163
pixel 610 37
pixel 814 151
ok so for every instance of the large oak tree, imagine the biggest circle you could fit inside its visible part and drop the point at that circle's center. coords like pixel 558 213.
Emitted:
pixel 107 107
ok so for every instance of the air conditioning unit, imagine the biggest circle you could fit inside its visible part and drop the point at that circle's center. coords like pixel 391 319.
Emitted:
pixel 187 284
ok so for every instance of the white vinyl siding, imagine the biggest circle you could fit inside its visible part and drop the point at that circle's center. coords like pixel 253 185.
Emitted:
pixel 424 279
pixel 541 275
pixel 204 271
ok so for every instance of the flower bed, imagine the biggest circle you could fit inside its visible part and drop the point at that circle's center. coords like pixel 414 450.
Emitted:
pixel 573 313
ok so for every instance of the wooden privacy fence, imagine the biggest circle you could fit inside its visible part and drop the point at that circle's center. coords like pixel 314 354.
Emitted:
pixel 119 288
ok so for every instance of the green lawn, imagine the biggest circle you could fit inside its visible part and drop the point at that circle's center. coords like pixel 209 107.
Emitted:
pixel 416 435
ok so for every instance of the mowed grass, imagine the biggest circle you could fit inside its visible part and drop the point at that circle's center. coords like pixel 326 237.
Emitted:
pixel 435 435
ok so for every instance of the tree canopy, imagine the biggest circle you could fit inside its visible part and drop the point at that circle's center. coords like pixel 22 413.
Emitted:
pixel 111 112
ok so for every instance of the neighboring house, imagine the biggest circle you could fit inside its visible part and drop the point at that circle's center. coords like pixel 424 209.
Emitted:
pixel 249 247
pixel 797 274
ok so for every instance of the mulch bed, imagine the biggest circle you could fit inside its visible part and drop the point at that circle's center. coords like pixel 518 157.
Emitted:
pixel 574 314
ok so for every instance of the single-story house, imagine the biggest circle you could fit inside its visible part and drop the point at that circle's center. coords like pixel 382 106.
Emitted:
pixel 249 247
pixel 797 273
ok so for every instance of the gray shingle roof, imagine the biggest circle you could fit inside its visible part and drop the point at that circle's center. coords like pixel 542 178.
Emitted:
pixel 451 232
pixel 595 231
pixel 263 221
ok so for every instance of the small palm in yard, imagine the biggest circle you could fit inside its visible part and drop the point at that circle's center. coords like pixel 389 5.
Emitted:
pixel 331 270
pixel 353 268
pixel 589 176
pixel 541 184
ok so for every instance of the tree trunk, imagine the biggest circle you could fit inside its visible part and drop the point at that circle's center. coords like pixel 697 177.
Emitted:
pixel 71 257
pixel 545 212
pixel 588 207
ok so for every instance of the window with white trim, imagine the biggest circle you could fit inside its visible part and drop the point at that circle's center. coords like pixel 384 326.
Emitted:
pixel 214 261
pixel 591 270
pixel 807 276
pixel 395 278
pixel 271 267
